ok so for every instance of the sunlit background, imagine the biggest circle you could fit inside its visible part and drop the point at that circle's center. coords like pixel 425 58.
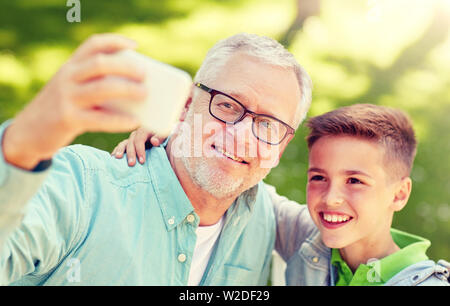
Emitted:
pixel 387 52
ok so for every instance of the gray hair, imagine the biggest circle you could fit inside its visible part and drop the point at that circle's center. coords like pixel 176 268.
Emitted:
pixel 264 48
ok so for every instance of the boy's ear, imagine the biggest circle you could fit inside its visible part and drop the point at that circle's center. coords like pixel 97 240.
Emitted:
pixel 402 194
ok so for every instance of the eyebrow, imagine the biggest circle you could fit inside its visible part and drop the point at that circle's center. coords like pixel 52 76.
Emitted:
pixel 241 98
pixel 347 172
pixel 352 172
pixel 316 170
pixel 245 101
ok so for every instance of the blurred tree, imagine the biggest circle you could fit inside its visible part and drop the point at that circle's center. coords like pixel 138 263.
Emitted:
pixel 412 57
pixel 305 9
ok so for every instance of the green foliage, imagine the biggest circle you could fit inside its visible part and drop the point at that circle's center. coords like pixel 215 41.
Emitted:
pixel 383 53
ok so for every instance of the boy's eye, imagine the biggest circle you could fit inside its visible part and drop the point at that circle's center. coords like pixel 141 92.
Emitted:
pixel 353 180
pixel 317 178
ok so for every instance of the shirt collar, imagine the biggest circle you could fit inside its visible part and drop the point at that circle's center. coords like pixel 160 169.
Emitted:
pixel 249 197
pixel 174 203
pixel 345 274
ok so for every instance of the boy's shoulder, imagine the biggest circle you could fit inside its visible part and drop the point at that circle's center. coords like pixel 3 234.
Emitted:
pixel 416 268
pixel 424 273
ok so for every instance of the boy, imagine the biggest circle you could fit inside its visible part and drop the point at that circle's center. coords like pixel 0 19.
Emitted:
pixel 360 158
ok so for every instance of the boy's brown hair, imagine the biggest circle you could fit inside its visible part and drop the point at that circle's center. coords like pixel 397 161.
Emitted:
pixel 391 128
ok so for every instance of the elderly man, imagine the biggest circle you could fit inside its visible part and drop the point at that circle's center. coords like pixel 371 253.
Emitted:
pixel 77 216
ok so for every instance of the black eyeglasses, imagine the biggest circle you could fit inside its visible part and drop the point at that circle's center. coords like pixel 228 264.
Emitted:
pixel 227 109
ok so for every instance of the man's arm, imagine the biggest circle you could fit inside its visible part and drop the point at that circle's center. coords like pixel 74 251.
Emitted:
pixel 40 215
pixel 17 186
pixel 36 229
pixel 294 224
pixel 72 102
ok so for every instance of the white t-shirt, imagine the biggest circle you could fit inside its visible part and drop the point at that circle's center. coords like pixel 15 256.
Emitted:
pixel 206 238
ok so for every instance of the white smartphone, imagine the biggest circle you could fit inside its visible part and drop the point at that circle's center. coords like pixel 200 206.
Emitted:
pixel 168 91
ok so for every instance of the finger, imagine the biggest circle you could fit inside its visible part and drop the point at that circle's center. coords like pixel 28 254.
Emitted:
pixel 139 144
pixel 156 141
pixel 131 152
pixel 120 149
pixel 105 120
pixel 103 43
pixel 103 64
pixel 96 92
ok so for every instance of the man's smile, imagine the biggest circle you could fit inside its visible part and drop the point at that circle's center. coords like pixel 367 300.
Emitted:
pixel 229 155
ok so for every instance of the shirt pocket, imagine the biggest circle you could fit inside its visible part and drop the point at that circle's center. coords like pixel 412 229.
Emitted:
pixel 312 258
pixel 230 275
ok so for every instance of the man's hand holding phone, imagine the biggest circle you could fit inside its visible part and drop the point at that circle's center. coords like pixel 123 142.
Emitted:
pixel 103 87
pixel 72 102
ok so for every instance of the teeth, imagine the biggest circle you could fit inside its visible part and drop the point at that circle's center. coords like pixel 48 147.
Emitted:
pixel 335 218
pixel 229 155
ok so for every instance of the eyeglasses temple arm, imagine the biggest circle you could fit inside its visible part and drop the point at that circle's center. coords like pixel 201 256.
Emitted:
pixel 205 88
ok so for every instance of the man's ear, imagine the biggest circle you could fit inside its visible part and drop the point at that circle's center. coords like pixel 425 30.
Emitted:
pixel 284 145
pixel 402 194
pixel 186 108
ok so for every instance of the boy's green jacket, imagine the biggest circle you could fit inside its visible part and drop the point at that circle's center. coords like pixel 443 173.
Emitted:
pixel 311 263
pixel 379 272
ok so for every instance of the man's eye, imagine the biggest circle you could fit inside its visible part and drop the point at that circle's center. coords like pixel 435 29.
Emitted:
pixel 353 180
pixel 265 124
pixel 226 106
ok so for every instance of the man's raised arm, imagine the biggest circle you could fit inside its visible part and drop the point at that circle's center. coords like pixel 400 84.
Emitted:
pixel 71 103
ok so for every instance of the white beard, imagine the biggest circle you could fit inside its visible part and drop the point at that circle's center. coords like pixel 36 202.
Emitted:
pixel 214 181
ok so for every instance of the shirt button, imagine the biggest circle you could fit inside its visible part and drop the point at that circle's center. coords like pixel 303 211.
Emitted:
pixel 190 218
pixel 181 257
pixel 315 259
pixel 171 221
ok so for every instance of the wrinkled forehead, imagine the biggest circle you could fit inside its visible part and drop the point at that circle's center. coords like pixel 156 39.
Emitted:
pixel 261 87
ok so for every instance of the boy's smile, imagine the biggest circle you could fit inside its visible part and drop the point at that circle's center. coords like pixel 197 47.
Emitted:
pixel 348 194
pixel 333 219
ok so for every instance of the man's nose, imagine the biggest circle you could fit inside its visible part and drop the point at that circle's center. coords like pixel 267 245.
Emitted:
pixel 244 127
pixel 243 136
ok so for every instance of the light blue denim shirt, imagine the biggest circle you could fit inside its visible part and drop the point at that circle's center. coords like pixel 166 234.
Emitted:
pixel 90 219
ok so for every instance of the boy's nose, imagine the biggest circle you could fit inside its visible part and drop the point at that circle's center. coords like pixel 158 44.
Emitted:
pixel 333 197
